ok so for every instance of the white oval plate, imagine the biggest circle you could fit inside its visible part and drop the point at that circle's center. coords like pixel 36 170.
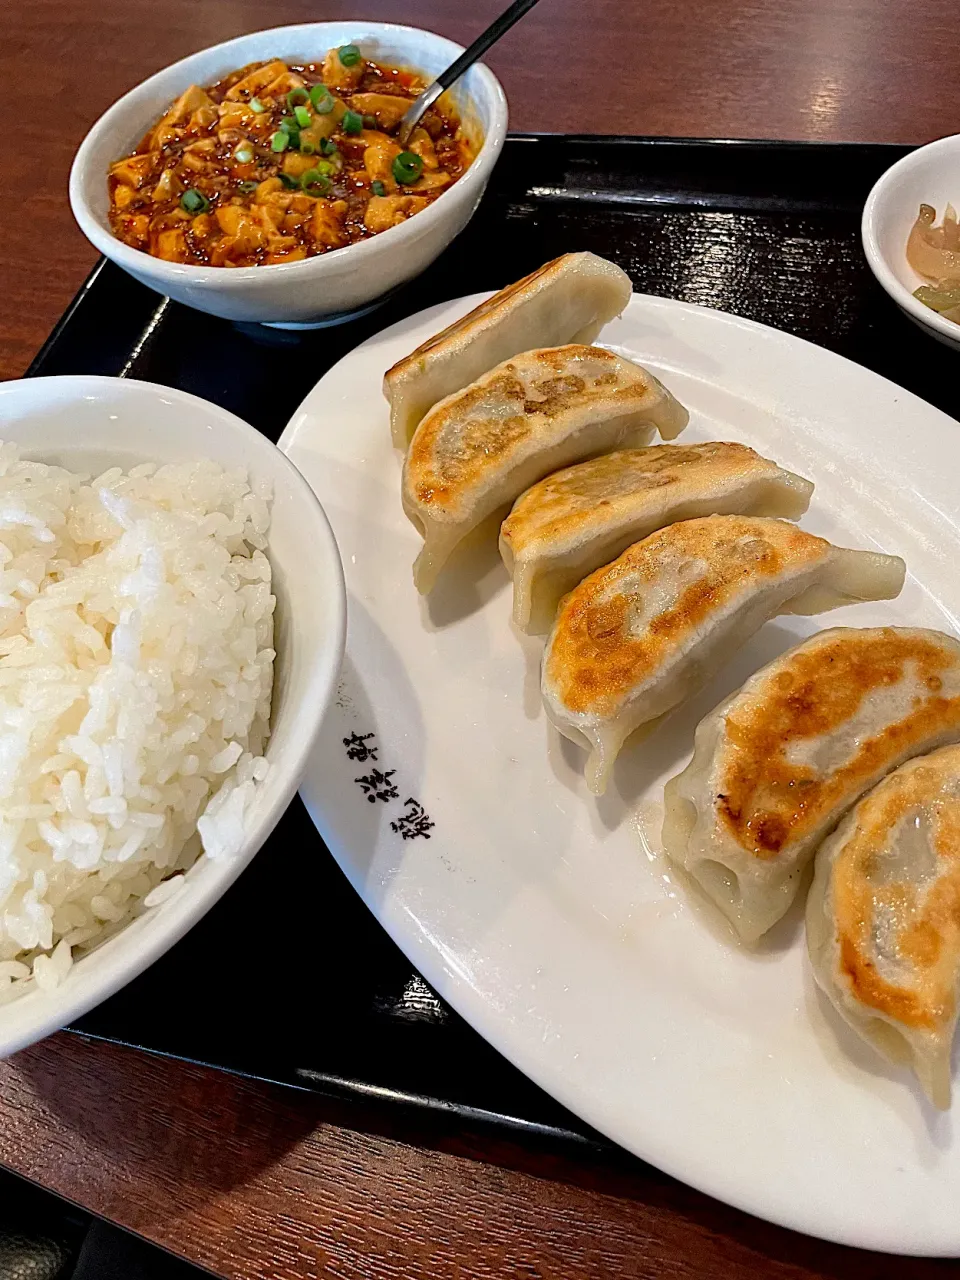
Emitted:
pixel 546 917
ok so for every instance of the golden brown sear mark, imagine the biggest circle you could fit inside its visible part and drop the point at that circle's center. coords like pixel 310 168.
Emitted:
pixel 919 990
pixel 456 442
pixel 766 799
pixel 484 308
pixel 560 504
pixel 596 657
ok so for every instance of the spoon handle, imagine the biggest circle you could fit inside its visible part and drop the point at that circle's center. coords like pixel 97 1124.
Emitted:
pixel 484 41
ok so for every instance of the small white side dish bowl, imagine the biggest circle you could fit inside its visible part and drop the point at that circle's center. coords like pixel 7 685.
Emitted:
pixel 929 175
pixel 339 283
pixel 89 423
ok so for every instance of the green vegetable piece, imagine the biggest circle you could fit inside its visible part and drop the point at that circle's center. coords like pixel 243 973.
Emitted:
pixel 194 201
pixel 407 168
pixel 378 188
pixel 315 183
pixel 303 117
pixel 351 122
pixel 256 105
pixel 318 93
pixel 938 298
pixel 296 96
pixel 349 54
pixel 280 141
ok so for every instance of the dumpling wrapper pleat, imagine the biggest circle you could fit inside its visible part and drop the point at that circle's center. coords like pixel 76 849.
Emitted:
pixel 583 517
pixel 883 918
pixel 567 300
pixel 475 452
pixel 639 636
pixel 777 765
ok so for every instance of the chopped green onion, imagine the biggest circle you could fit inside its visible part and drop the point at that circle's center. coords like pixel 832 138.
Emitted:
pixel 306 147
pixel 325 168
pixel 315 183
pixel 328 147
pixel 349 55
pixel 290 130
pixel 318 93
pixel 407 168
pixel 290 183
pixel 325 105
pixel 244 155
pixel 246 187
pixel 351 122
pixel 303 117
pixel 257 106
pixel 280 141
pixel 378 188
pixel 369 122
pixel 194 201
pixel 296 96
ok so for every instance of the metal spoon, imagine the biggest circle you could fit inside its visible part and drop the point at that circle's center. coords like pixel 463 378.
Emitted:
pixel 456 69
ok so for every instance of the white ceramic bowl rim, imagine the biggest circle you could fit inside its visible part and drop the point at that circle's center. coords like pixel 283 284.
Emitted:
pixel 871 243
pixel 103 238
pixel 37 1013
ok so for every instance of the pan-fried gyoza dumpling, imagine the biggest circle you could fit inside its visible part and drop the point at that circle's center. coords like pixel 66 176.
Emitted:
pixel 583 517
pixel 567 300
pixel 639 636
pixel 476 451
pixel 778 764
pixel 883 917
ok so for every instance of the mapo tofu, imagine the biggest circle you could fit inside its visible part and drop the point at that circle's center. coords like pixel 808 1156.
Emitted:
pixel 276 163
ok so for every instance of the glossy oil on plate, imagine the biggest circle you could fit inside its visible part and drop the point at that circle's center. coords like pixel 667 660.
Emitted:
pixel 548 918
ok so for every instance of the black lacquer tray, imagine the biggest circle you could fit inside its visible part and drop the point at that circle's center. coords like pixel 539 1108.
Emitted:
pixel 764 229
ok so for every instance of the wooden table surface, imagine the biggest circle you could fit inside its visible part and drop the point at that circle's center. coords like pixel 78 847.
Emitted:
pixel 258 1182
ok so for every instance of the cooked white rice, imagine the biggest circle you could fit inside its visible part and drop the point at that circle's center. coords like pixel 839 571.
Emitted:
pixel 136 668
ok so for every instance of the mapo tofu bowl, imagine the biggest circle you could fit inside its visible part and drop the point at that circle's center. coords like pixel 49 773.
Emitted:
pixel 262 180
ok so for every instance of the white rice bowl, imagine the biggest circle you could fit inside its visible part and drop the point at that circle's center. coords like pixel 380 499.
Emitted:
pixel 136 670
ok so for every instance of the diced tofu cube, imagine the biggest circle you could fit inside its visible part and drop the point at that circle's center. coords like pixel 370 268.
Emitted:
pixel 267 188
pixel 256 81
pixel 286 255
pixel 168 188
pixel 133 170
pixel 384 212
pixel 279 88
pixel 378 157
pixel 421 144
pixel 326 226
pixel 336 76
pixel 296 165
pixel 432 182
pixel 235 115
pixel 386 108
pixel 203 118
pixel 171 245
pixel 190 101
pixel 135 229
